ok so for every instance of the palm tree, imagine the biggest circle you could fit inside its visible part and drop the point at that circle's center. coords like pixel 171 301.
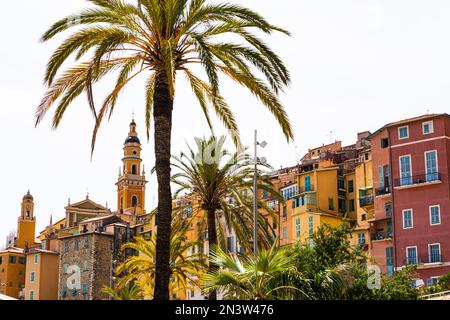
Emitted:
pixel 186 262
pixel 268 275
pixel 158 39
pixel 220 182
pixel 129 291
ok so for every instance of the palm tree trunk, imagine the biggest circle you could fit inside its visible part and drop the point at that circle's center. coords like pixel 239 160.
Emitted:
pixel 212 241
pixel 162 114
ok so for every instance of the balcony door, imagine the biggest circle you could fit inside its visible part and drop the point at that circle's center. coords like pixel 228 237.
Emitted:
pixel 307 183
pixel 405 170
pixel 431 166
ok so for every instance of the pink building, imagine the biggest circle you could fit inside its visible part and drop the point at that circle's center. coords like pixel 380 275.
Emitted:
pixel 411 161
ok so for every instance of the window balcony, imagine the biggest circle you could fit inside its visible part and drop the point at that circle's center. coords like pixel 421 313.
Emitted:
pixel 376 236
pixel 304 189
pixel 428 259
pixel 418 180
pixel 366 201
pixel 383 191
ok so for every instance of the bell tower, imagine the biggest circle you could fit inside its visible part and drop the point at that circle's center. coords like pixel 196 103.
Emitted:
pixel 26 224
pixel 131 182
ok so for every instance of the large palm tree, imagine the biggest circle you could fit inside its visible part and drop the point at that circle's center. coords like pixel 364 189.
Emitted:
pixel 222 182
pixel 159 39
pixel 186 261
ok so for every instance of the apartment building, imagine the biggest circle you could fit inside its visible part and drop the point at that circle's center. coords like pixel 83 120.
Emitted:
pixel 411 173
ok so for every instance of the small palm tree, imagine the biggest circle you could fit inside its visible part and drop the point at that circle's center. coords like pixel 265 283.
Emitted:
pixel 129 291
pixel 221 182
pixel 268 275
pixel 158 40
pixel 187 263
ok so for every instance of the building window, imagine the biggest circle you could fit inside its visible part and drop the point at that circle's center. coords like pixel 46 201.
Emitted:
pixel 310 226
pixel 66 246
pixel 32 276
pixel 133 169
pixel 341 184
pixel 405 170
pixel 351 187
pixel 411 255
pixel 134 201
pixel 85 265
pixel 284 211
pixel 86 243
pixel 434 252
pixel 432 281
pixel 31 295
pixel 311 243
pixel 21 260
pixel 84 288
pixel 403 132
pixel 407 219
pixel 384 143
pixel 427 127
pixel 388 209
pixel 12 259
pixel 289 192
pixel 435 215
pixel 36 257
pixel 431 165
pixel 75 245
pixel 64 292
pixel 284 233
pixel 363 217
pixel 11 284
pixel 307 183
pixel 230 244
pixel 297 227
pixel 264 194
pixel 65 267
pixel 361 238
pixel 351 205
pixel 1 260
pixel 330 204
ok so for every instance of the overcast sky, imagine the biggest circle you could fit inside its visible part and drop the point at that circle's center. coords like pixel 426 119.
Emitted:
pixel 355 66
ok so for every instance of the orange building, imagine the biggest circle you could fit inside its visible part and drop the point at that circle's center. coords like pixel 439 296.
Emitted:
pixel 41 281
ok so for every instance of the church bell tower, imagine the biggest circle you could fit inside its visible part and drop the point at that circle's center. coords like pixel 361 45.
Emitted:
pixel 26 225
pixel 131 182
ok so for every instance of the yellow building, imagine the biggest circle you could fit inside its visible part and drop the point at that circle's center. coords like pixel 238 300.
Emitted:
pixel 41 281
pixel 364 204
pixel 12 271
pixel 319 202
pixel 12 259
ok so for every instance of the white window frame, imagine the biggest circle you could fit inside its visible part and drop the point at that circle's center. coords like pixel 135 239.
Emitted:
pixel 412 218
pixel 32 276
pixel 439 211
pixel 31 294
pixel 407 132
pixel 410 168
pixel 426 164
pixel 431 127
pixel 417 253
pixel 429 252
pixel 36 259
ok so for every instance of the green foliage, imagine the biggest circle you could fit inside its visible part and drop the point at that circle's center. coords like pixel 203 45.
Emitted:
pixel 329 270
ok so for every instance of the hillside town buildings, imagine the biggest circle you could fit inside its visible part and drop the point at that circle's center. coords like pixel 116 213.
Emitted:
pixel 392 186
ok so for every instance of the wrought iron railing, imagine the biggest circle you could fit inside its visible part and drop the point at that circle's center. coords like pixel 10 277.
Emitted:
pixel 418 179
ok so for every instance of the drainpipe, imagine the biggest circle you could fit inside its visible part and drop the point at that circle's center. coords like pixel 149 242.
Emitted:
pixel 394 245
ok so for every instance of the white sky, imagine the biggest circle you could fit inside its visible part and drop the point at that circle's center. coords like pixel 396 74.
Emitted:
pixel 355 66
